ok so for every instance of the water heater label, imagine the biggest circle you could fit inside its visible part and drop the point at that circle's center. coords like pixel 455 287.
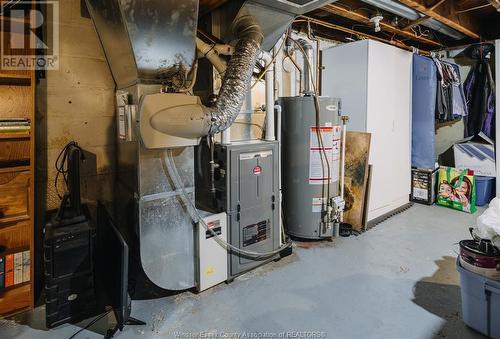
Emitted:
pixel 325 146
pixel 320 154
pixel 317 204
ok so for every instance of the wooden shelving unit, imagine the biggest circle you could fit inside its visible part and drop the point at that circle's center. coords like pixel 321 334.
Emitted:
pixel 17 165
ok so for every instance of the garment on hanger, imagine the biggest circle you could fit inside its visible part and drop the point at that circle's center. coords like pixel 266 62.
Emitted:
pixel 450 102
pixel 479 90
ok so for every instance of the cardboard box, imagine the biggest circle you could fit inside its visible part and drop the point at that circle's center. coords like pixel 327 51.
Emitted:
pixel 423 185
pixel 477 154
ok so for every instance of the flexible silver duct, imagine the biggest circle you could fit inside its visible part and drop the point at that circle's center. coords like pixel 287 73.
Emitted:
pixel 196 120
pixel 237 77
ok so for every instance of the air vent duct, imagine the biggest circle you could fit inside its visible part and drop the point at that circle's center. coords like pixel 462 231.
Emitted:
pixel 146 41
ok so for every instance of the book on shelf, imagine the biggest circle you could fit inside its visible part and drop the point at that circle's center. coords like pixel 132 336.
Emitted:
pixel 9 270
pixel 2 273
pixel 14 129
pixel 15 268
pixel 26 266
pixel 2 119
pixel 14 123
pixel 18 268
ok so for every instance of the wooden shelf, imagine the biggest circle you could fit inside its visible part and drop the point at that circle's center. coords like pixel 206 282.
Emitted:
pixel 15 82
pixel 13 287
pixel 16 299
pixel 14 250
pixel 7 222
pixel 15 79
pixel 15 169
pixel 17 231
pixel 15 76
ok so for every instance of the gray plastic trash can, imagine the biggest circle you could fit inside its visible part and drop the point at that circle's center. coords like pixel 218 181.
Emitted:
pixel 480 302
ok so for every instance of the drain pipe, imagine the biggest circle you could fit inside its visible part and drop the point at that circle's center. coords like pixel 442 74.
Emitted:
pixel 278 138
pixel 212 52
pixel 269 81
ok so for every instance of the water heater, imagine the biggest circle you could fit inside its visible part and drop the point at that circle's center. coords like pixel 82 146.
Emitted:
pixel 304 167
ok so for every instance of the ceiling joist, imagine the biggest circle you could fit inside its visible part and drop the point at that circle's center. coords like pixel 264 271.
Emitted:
pixel 425 17
pixel 354 32
pixel 364 19
pixel 446 14
pixel 495 3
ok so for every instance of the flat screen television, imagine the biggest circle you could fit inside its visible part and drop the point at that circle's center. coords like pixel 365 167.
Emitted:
pixel 112 266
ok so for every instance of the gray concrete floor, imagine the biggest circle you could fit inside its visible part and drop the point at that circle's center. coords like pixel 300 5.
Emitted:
pixel 398 280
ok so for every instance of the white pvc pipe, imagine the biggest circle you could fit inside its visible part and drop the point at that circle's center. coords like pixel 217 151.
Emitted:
pixel 270 134
pixel 212 54
pixel 277 108
pixel 225 137
pixel 269 82
pixel 278 137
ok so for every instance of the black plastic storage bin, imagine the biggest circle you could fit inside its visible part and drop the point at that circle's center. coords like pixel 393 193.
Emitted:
pixel 480 302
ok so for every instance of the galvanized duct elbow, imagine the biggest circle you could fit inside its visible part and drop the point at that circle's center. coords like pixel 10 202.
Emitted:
pixel 237 77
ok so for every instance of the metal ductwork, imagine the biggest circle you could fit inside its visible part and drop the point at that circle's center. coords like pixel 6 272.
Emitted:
pixel 201 121
pixel 411 14
pixel 151 46
pixel 309 78
pixel 146 42
pixel 273 16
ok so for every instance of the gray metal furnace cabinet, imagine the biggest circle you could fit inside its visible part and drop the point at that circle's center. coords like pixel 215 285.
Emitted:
pixel 373 81
pixel 247 189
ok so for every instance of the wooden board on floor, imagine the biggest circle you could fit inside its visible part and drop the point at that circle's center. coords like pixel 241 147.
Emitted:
pixel 356 177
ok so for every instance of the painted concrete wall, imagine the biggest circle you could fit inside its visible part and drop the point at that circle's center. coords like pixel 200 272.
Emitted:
pixel 448 135
pixel 76 103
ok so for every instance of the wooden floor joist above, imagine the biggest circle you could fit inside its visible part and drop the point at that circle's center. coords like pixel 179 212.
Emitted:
pixel 335 27
pixel 495 3
pixel 364 19
pixel 446 14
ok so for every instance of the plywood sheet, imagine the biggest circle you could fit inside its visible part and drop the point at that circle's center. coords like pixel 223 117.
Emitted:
pixel 356 177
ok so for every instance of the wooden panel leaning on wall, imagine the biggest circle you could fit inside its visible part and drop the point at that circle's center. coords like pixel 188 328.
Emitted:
pixel 356 177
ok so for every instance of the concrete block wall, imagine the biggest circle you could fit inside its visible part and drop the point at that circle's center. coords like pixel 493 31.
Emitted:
pixel 76 103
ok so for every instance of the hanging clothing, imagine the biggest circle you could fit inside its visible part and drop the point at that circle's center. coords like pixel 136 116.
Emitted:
pixel 450 102
pixel 479 90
